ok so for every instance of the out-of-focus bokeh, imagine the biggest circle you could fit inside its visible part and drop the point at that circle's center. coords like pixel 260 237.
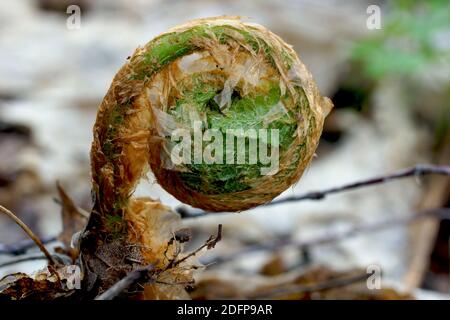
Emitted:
pixel 391 90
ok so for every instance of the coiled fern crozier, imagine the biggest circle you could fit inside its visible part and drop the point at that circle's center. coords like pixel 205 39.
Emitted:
pixel 208 75
pixel 238 75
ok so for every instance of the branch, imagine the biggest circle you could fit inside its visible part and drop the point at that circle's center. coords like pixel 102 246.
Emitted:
pixel 330 237
pixel 30 233
pixel 321 286
pixel 209 244
pixel 22 246
pixel 418 171
pixel 20 260
pixel 124 283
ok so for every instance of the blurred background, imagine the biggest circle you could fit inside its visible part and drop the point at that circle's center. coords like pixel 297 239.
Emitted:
pixel 391 90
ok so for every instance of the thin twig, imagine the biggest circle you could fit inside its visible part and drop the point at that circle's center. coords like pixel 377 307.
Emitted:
pixel 209 244
pixel 80 210
pixel 321 286
pixel 330 237
pixel 22 246
pixel 30 233
pixel 418 170
pixel 20 260
pixel 124 283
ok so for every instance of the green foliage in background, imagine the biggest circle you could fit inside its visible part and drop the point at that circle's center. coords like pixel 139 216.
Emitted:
pixel 408 41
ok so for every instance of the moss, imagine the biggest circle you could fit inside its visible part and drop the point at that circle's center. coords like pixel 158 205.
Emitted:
pixel 116 226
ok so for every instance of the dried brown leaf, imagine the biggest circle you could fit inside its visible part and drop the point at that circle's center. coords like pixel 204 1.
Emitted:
pixel 73 222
